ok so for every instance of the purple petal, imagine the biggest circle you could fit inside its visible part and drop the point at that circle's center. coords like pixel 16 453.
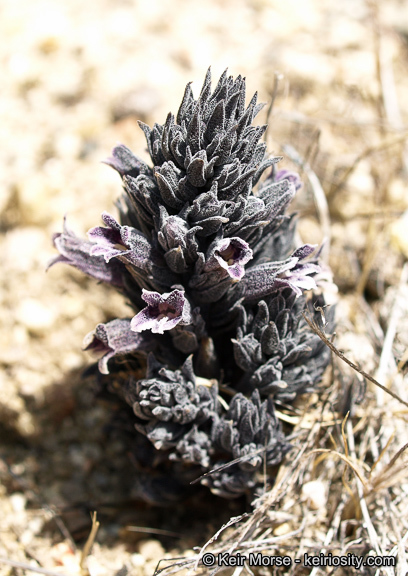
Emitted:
pixel 294 272
pixel 231 254
pixel 163 312
pixel 236 271
pixel 293 177
pixel 297 282
pixel 152 299
pixel 108 241
pixel 124 242
pixel 113 339
pixel 78 253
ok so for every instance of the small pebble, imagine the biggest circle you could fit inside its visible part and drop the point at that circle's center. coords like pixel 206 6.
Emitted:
pixel 26 537
pixel 151 549
pixel 315 494
pixel 18 502
pixel 35 315
pixel 35 525
pixel 137 560
pixel 399 234
pixel 282 529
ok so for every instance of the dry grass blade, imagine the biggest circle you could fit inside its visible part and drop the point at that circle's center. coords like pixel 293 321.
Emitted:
pixel 340 355
pixel 228 464
pixel 28 568
pixel 333 528
pixel 395 458
pixel 381 455
pixel 265 543
pixel 402 557
pixel 318 194
pixel 342 457
pixel 176 566
pixel 276 80
pixel 391 474
pixel 88 544
pixel 363 505
pixel 231 521
pixel 386 353
pixel 369 151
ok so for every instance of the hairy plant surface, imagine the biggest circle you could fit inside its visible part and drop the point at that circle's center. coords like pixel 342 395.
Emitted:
pixel 204 252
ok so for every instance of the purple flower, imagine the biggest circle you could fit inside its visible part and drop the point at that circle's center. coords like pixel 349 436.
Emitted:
pixel 124 242
pixel 163 312
pixel 293 177
pixel 222 266
pixel 298 270
pixel 78 253
pixel 231 254
pixel 113 339
pixel 295 272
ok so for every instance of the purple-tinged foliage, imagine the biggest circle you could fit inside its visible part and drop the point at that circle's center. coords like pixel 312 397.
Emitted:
pixel 125 162
pixel 193 448
pixel 274 348
pixel 129 246
pixel 294 272
pixel 249 431
pixel 168 403
pixel 204 252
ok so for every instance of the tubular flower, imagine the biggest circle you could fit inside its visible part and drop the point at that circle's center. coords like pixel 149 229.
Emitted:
pixel 116 339
pixel 203 250
pixel 231 254
pixel 163 312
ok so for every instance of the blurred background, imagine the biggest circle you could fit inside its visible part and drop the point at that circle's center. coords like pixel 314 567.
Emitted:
pixel 75 78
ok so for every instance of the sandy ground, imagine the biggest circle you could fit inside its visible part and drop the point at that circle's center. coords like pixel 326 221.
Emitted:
pixel 75 77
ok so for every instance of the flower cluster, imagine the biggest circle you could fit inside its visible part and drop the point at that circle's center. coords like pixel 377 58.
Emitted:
pixel 204 252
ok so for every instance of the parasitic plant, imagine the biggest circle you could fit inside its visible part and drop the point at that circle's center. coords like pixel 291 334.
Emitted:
pixel 204 252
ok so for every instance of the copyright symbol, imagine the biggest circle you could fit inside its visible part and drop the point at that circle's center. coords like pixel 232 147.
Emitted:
pixel 208 559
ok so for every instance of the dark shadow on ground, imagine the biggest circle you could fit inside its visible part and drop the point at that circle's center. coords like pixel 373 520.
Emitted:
pixel 82 458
